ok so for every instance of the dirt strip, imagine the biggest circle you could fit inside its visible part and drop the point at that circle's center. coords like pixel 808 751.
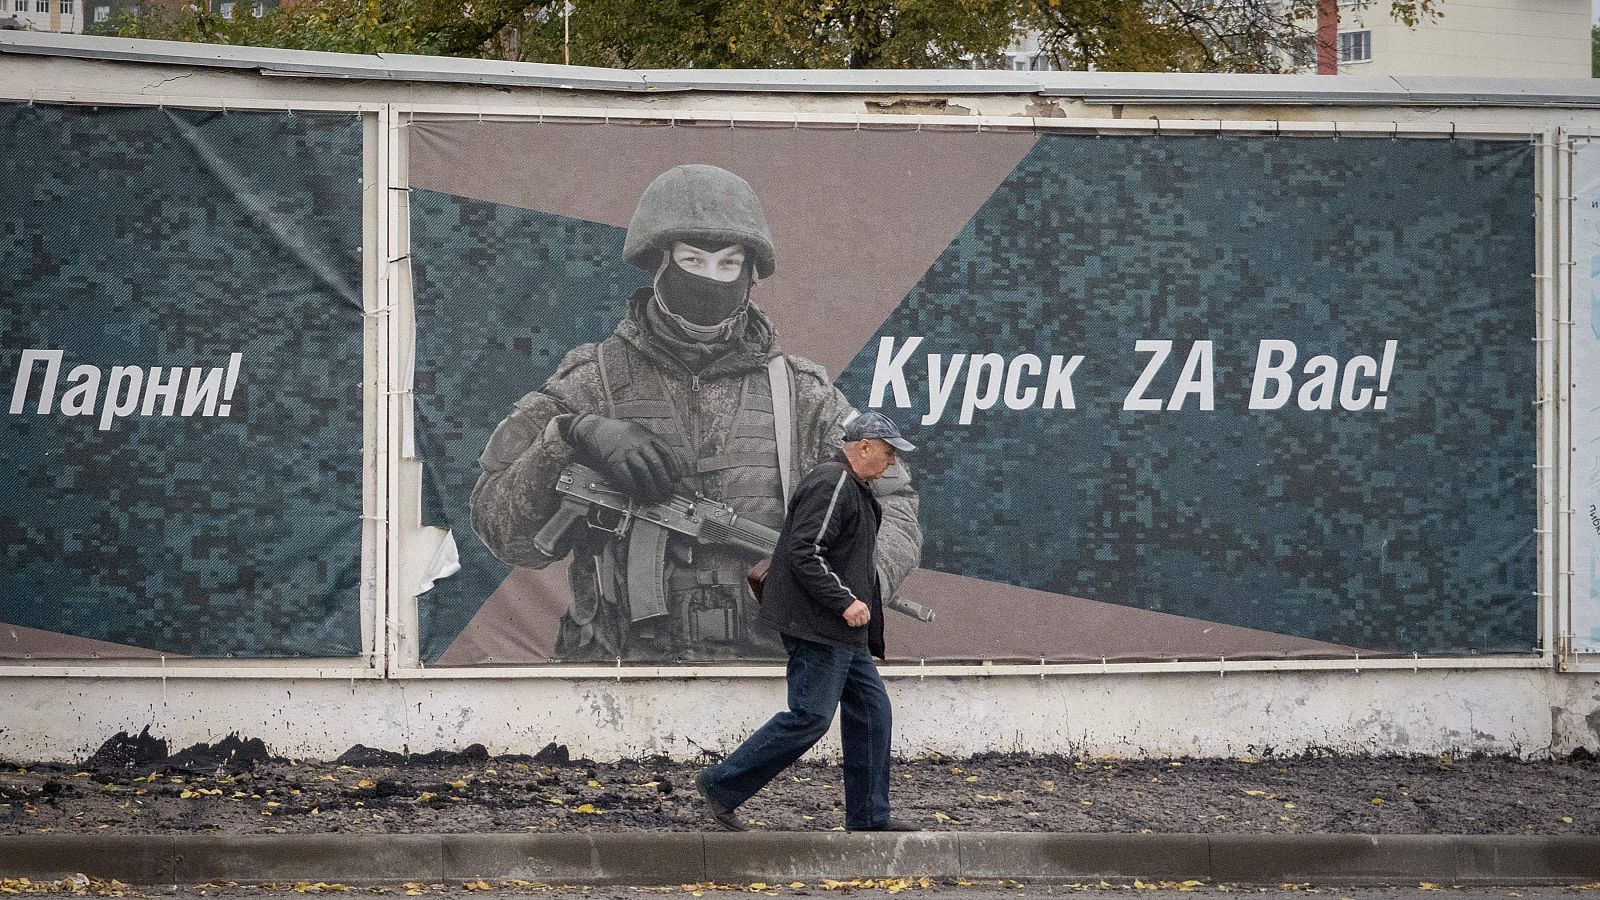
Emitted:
pixel 133 785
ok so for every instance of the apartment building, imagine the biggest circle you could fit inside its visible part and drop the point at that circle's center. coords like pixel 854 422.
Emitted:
pixel 43 15
pixel 1511 38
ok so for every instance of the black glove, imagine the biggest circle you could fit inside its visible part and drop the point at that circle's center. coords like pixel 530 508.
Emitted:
pixel 627 453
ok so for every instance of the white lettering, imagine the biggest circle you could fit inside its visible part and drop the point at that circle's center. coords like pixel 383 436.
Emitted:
pixel 1023 399
pixel 1273 359
pixel 1136 398
pixel 198 391
pixel 83 392
pixel 122 394
pixel 1349 397
pixel 167 391
pixel 1058 384
pixel 890 372
pixel 1318 392
pixel 940 388
pixel 47 390
pixel 1196 378
pixel 992 368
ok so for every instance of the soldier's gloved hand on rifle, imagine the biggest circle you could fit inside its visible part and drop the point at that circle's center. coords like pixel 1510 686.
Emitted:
pixel 626 452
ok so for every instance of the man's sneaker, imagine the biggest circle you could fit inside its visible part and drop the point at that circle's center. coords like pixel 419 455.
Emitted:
pixel 892 825
pixel 720 814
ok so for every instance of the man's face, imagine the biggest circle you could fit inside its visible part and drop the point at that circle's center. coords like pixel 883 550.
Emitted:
pixel 876 458
pixel 719 265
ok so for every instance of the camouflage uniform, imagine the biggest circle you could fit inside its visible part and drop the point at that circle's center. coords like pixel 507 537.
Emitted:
pixel 710 403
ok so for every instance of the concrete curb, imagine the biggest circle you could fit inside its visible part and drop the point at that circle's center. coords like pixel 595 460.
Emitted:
pixel 680 857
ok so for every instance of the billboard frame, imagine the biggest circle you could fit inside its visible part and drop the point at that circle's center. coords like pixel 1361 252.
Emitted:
pixel 404 658
pixel 391 505
pixel 371 663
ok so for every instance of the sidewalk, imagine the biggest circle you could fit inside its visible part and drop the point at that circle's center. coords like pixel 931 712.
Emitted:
pixel 230 811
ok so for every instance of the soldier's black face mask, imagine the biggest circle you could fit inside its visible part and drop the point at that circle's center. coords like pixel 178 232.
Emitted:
pixel 702 301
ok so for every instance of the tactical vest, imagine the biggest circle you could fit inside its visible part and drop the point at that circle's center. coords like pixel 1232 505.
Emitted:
pixel 729 454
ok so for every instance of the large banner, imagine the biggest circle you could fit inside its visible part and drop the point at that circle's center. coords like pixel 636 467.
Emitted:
pixel 1585 412
pixel 181 354
pixel 1176 397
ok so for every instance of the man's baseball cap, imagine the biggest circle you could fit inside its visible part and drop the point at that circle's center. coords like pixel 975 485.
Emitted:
pixel 876 425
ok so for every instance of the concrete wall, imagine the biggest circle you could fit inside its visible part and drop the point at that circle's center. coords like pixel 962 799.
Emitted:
pixel 1527 711
pixel 1485 38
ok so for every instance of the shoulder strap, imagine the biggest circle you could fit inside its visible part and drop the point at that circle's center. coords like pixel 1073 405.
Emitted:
pixel 782 421
pixel 605 378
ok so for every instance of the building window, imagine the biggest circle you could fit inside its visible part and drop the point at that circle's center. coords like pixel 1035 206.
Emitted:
pixel 258 9
pixel 69 7
pixel 1355 46
pixel 41 5
pixel 102 13
pixel 226 9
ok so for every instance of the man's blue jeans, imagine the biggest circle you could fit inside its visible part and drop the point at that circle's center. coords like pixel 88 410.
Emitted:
pixel 822 678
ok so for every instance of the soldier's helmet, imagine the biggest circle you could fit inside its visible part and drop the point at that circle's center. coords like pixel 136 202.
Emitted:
pixel 698 203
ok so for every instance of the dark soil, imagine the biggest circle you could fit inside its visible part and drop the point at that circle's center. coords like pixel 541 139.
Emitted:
pixel 235 786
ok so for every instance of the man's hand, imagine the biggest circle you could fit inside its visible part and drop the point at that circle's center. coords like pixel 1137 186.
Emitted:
pixel 626 452
pixel 857 614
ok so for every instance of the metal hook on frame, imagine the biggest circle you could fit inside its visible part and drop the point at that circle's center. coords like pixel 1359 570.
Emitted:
pixel 1158 124
pixel 858 121
pixel 1452 131
pixel 1395 134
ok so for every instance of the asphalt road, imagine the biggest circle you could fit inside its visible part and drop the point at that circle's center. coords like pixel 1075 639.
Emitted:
pixel 974 890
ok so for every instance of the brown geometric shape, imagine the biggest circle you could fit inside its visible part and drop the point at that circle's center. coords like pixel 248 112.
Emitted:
pixel 517 624
pixel 22 642
pixel 857 216
pixel 979 620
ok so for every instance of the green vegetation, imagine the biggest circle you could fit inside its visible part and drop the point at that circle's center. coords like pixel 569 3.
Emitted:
pixel 1109 35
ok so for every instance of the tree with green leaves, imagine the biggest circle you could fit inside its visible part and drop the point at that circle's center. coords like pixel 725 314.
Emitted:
pixel 1111 35
pixel 1265 36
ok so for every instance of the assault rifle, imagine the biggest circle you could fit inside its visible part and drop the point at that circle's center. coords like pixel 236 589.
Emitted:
pixel 587 496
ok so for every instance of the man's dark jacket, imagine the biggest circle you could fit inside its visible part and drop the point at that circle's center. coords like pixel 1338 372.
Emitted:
pixel 827 559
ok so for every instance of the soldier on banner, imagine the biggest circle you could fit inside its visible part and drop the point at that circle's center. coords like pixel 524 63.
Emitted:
pixel 691 395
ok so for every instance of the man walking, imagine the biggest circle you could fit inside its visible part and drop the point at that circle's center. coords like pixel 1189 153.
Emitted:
pixel 822 595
